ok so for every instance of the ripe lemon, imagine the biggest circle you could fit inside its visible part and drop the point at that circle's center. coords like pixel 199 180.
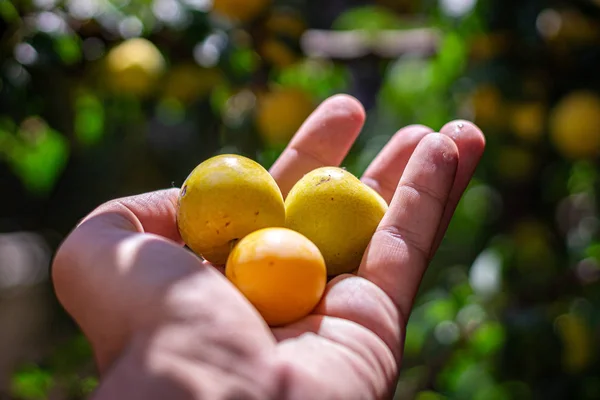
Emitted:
pixel 575 125
pixel 280 272
pixel 134 66
pixel 225 198
pixel 281 113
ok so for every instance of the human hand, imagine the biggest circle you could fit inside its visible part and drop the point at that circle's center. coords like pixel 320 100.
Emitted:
pixel 169 325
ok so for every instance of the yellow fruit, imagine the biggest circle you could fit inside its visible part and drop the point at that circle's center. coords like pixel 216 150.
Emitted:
pixel 188 82
pixel 568 27
pixel 240 10
pixel 134 66
pixel 225 198
pixel 280 272
pixel 286 23
pixel 337 212
pixel 575 125
pixel 527 121
pixel 487 105
pixel 577 342
pixel 277 53
pixel 489 45
pixel 281 113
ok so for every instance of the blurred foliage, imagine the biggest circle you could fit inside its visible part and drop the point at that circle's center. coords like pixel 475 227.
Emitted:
pixel 104 98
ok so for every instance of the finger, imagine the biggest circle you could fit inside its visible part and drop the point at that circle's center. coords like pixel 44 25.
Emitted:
pixel 153 212
pixel 385 170
pixel 470 142
pixel 399 250
pixel 324 139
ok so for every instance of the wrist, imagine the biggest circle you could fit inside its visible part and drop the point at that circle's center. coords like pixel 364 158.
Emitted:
pixel 148 370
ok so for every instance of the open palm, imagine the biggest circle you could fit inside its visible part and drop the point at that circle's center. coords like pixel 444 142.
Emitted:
pixel 125 277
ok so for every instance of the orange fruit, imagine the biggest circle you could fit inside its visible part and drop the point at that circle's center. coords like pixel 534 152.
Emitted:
pixel 280 271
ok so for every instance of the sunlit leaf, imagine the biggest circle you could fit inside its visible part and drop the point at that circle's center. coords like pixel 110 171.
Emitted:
pixel 415 338
pixel 89 119
pixel 219 97
pixel 488 338
pixel 31 383
pixel 450 60
pixel 430 395
pixel 440 310
pixel 491 392
pixel 243 61
pixel 318 77
pixel 40 159
pixel 367 18
pixel 583 176
pixel 68 49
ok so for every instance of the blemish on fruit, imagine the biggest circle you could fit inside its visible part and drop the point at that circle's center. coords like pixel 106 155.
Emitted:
pixel 227 224
pixel 332 199
pixel 217 231
pixel 256 213
pixel 183 191
pixel 323 180
pixel 271 263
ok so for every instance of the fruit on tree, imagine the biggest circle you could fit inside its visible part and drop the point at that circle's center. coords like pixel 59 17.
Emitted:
pixel 134 67
pixel 575 125
pixel 281 112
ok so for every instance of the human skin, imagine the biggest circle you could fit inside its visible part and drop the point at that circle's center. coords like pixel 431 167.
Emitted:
pixel 166 325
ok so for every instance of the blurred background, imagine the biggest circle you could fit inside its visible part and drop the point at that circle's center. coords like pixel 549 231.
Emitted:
pixel 106 98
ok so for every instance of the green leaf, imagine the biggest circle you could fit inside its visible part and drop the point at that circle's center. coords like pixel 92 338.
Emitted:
pixel 415 338
pixel 31 383
pixel 89 119
pixel 321 78
pixel 407 82
pixel 430 395
pixel 450 60
pixel 368 18
pixel 39 160
pixel 440 310
pixel 243 61
pixel 68 49
pixel 583 177
pixel 8 12
pixel 488 338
